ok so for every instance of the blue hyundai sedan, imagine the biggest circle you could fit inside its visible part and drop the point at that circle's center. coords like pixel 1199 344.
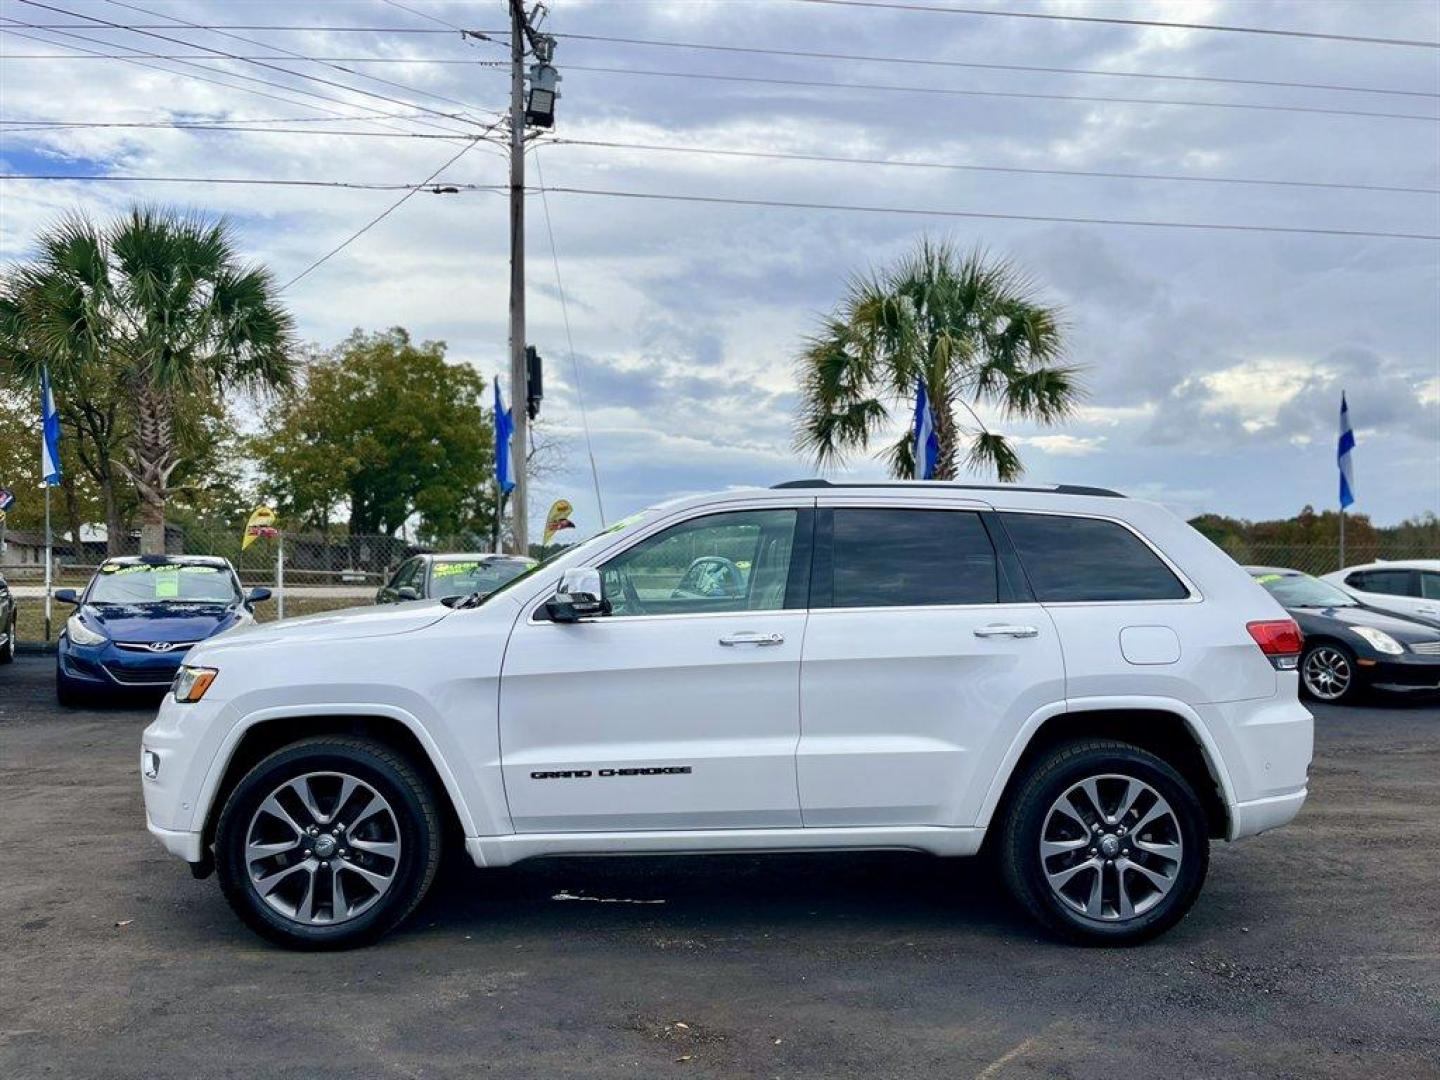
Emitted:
pixel 137 617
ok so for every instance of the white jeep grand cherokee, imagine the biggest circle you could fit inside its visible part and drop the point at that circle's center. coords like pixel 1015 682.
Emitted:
pixel 1080 679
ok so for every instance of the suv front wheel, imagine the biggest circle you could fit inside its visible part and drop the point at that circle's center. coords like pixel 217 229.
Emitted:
pixel 328 843
pixel 1105 843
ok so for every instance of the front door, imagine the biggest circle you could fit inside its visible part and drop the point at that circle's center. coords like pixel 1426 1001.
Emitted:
pixel 923 650
pixel 680 708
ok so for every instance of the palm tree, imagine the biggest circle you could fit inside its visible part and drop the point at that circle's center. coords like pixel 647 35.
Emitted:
pixel 160 304
pixel 970 326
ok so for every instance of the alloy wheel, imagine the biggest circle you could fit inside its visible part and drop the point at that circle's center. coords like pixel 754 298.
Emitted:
pixel 1111 847
pixel 322 848
pixel 1327 673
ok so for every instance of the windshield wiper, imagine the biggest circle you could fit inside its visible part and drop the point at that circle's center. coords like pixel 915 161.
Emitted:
pixel 470 600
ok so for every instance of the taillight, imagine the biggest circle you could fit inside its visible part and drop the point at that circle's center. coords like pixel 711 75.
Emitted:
pixel 1280 640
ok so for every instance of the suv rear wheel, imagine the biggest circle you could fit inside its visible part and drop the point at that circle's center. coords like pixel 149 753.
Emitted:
pixel 1105 843
pixel 328 843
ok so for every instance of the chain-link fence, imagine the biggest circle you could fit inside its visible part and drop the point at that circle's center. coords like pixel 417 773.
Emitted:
pixel 1321 558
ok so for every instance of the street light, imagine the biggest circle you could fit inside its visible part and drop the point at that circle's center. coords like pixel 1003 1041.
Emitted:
pixel 540 104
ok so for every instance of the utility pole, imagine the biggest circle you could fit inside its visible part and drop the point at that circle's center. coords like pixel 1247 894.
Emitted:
pixel 519 33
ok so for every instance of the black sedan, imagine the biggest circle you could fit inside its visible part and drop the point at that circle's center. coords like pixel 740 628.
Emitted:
pixel 1350 645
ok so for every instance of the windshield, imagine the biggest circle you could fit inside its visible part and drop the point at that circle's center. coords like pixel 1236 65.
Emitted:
pixel 463 577
pixel 140 583
pixel 1302 590
pixel 576 554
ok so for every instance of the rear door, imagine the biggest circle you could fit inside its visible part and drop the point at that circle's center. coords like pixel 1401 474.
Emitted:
pixel 680 709
pixel 923 648
pixel 1395 589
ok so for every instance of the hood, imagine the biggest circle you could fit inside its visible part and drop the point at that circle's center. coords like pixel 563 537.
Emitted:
pixel 1320 620
pixel 160 621
pixel 346 624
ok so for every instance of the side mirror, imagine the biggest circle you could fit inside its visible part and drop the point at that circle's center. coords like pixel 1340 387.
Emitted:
pixel 579 596
pixel 67 596
pixel 407 592
pixel 257 595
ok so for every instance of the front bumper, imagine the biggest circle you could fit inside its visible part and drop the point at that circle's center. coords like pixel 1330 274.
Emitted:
pixel 1409 672
pixel 185 845
pixel 114 668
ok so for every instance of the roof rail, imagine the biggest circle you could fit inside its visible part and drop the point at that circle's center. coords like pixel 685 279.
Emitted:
pixel 1051 489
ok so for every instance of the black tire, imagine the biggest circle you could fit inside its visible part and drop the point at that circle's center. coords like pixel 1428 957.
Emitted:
pixel 417 825
pixel 1343 658
pixel 7 651
pixel 1037 794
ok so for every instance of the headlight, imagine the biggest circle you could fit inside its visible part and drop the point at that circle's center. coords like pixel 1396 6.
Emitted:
pixel 80 634
pixel 1379 640
pixel 191 682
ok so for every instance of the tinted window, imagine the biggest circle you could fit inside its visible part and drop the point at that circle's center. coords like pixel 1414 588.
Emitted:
pixel 1389 582
pixel 1085 559
pixel 912 558
pixel 1430 585
pixel 721 562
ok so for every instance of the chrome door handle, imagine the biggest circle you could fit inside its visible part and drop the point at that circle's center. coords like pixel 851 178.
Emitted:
pixel 747 637
pixel 1006 630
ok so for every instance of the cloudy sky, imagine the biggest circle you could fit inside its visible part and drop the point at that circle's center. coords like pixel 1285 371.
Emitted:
pixel 1214 359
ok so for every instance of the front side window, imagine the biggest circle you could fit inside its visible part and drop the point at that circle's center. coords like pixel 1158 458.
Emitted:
pixel 1388 582
pixel 912 558
pixel 1080 560
pixel 1430 584
pixel 736 561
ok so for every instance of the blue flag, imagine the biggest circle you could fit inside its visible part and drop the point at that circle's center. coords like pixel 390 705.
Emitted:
pixel 1342 455
pixel 927 443
pixel 50 425
pixel 504 428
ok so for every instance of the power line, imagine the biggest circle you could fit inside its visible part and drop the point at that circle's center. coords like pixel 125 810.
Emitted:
pixel 303 29
pixel 1047 218
pixel 62 125
pixel 464 33
pixel 381 216
pixel 259 63
pixel 570 340
pixel 285 56
pixel 965 167
pixel 913 61
pixel 248 181
pixel 237 121
pixel 208 78
pixel 308 59
pixel 952 91
pixel 894 5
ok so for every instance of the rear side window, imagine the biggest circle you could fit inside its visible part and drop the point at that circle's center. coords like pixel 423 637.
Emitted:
pixel 1075 559
pixel 912 558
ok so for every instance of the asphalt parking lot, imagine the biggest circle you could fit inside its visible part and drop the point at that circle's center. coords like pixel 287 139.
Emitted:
pixel 1314 951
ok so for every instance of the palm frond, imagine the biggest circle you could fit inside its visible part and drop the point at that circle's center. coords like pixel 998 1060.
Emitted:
pixel 990 452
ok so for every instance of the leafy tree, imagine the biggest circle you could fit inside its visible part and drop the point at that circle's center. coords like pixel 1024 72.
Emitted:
pixel 79 499
pixel 387 429
pixel 970 325
pixel 158 308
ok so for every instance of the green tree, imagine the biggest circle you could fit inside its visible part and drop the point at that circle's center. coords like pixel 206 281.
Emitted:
pixel 158 307
pixel 386 429
pixel 970 325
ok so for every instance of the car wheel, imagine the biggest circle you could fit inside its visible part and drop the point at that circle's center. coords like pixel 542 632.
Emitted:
pixel 328 843
pixel 7 651
pixel 1327 672
pixel 1105 844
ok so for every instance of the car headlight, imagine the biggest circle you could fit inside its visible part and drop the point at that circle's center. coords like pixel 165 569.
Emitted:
pixel 191 683
pixel 1379 640
pixel 80 634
